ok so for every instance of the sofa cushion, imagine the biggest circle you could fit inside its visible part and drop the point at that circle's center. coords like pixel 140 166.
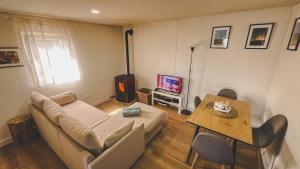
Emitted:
pixel 64 98
pixel 90 127
pixel 86 114
pixel 52 110
pixel 112 130
pixel 78 120
pixel 80 132
pixel 37 100
pixel 150 116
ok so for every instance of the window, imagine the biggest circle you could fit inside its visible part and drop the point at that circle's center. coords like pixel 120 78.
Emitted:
pixel 48 48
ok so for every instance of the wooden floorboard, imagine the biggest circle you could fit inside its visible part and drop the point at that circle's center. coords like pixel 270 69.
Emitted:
pixel 36 155
pixel 168 150
pixel 170 147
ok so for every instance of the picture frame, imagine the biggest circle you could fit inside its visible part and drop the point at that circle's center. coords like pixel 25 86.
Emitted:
pixel 9 57
pixel 220 37
pixel 295 36
pixel 259 36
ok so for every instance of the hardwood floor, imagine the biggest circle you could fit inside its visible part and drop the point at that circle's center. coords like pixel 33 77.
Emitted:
pixel 168 150
pixel 36 155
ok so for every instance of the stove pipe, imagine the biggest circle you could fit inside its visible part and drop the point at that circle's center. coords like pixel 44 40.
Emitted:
pixel 128 32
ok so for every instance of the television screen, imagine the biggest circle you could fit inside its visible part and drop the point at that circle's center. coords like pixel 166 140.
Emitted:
pixel 169 83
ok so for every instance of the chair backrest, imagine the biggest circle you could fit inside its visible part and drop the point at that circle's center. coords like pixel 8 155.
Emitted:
pixel 197 101
pixel 273 132
pixel 213 148
pixel 229 93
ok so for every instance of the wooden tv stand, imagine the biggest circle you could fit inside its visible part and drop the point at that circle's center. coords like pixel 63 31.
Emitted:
pixel 169 98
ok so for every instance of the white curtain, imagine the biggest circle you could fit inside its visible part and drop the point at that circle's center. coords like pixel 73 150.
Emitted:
pixel 49 51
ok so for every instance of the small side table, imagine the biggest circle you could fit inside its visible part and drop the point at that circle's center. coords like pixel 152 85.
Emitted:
pixel 22 129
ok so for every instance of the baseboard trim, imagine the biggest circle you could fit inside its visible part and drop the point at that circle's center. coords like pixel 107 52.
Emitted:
pixel 102 101
pixel 5 142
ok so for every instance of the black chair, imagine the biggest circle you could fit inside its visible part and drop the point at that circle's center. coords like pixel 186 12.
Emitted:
pixel 229 93
pixel 212 148
pixel 271 134
pixel 197 101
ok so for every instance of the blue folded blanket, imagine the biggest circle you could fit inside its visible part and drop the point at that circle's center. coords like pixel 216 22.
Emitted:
pixel 132 111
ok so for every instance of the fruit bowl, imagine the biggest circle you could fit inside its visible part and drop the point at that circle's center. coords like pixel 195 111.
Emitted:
pixel 221 107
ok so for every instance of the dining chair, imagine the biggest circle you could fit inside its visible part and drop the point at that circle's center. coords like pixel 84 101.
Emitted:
pixel 212 148
pixel 271 134
pixel 197 101
pixel 229 93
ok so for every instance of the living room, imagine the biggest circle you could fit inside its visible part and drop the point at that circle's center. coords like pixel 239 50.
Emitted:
pixel 177 40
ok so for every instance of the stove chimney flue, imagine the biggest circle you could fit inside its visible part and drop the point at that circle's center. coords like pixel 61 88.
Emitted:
pixel 127 33
pixel 125 83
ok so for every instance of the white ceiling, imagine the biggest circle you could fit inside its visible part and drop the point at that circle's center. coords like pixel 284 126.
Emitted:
pixel 122 12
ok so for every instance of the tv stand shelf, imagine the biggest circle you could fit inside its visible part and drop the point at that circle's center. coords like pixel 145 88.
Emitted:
pixel 169 98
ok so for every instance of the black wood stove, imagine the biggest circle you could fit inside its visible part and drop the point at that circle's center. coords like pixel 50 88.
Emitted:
pixel 125 83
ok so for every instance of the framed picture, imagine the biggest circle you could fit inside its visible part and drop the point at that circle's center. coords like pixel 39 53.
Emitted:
pixel 9 57
pixel 259 36
pixel 295 36
pixel 220 37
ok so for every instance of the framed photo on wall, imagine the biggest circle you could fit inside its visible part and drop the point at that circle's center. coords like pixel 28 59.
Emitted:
pixel 295 36
pixel 259 36
pixel 9 57
pixel 220 37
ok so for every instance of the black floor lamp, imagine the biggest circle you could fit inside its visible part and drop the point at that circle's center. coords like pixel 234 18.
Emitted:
pixel 186 111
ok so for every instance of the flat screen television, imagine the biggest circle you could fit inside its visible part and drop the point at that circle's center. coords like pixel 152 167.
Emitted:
pixel 169 83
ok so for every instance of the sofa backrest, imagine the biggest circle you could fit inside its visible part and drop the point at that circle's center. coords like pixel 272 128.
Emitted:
pixel 71 153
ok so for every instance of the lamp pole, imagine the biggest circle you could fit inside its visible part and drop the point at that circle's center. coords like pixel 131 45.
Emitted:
pixel 186 111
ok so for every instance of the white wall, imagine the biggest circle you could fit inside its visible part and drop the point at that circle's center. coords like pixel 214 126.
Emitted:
pixel 163 47
pixel 284 98
pixel 154 51
pixel 100 57
pixel 13 84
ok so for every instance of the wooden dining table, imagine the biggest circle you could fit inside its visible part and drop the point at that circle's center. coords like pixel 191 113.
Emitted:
pixel 237 128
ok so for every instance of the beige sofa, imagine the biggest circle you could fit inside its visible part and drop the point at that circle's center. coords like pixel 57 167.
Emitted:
pixel 120 155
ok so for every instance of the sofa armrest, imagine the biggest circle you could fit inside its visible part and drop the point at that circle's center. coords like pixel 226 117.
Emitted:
pixel 122 154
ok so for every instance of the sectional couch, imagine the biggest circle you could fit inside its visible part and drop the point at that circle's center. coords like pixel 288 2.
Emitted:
pixel 84 137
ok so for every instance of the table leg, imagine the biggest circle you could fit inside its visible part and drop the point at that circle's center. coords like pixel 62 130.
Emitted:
pixel 152 99
pixel 234 148
pixel 179 106
pixel 190 151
